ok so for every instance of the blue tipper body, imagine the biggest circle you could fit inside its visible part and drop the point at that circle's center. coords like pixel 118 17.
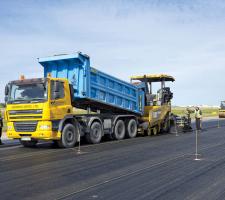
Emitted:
pixel 92 87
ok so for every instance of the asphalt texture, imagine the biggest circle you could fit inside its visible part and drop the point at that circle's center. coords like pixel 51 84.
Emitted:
pixel 157 167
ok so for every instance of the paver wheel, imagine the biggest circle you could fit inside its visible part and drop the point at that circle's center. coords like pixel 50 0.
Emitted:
pixel 166 126
pixel 155 130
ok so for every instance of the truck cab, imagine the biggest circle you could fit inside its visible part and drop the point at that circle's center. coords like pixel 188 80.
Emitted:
pixel 34 108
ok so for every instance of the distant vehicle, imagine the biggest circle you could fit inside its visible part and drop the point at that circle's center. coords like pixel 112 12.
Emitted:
pixel 183 123
pixel 222 110
pixel 42 108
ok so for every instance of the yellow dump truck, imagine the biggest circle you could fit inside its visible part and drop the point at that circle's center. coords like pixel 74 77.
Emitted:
pixel 43 108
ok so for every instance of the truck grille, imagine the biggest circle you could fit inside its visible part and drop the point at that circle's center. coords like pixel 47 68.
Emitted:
pixel 25 114
pixel 25 126
pixel 26 117
pixel 22 112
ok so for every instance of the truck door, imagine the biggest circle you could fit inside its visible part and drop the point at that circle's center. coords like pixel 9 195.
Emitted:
pixel 58 101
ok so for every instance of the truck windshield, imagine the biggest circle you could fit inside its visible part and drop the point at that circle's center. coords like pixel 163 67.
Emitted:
pixel 222 106
pixel 27 93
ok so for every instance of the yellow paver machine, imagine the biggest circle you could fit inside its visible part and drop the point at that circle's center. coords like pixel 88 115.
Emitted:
pixel 157 110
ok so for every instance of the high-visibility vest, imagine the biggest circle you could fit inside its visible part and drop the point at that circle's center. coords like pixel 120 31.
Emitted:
pixel 198 113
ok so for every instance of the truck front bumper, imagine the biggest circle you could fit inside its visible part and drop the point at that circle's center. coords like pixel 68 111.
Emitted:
pixel 43 131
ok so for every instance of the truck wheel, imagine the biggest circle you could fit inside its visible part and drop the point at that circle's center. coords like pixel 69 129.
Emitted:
pixel 95 134
pixel 68 137
pixel 132 128
pixel 29 143
pixel 119 130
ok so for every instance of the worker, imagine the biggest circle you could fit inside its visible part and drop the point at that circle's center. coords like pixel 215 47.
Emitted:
pixel 187 120
pixel 198 118
pixel 1 126
pixel 188 115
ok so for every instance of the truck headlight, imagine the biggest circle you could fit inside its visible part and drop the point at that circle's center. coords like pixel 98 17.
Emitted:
pixel 9 128
pixel 44 127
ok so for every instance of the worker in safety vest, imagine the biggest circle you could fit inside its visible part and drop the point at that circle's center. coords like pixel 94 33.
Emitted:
pixel 188 115
pixel 198 118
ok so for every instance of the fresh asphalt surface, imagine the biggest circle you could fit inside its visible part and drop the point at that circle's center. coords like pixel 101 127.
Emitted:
pixel 160 167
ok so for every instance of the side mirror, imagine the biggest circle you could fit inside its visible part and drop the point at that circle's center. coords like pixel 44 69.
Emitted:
pixel 6 99
pixel 72 91
pixel 6 93
pixel 7 90
pixel 56 86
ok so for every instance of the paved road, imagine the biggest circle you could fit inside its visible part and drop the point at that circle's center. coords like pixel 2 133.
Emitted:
pixel 161 167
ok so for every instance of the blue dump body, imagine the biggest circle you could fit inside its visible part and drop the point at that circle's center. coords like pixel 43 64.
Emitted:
pixel 92 87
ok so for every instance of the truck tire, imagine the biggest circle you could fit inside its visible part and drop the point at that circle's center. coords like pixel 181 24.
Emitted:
pixel 68 137
pixel 132 128
pixel 29 143
pixel 95 134
pixel 119 130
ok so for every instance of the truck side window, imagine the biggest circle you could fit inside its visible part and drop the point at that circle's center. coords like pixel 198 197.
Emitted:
pixel 59 94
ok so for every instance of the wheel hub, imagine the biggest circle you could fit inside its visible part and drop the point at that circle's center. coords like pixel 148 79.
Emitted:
pixel 120 129
pixel 70 136
pixel 96 132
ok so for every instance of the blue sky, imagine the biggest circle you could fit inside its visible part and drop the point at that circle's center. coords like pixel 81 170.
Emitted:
pixel 184 38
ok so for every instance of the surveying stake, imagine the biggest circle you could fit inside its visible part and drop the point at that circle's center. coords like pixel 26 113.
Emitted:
pixel 196 146
pixel 176 131
pixel 78 151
